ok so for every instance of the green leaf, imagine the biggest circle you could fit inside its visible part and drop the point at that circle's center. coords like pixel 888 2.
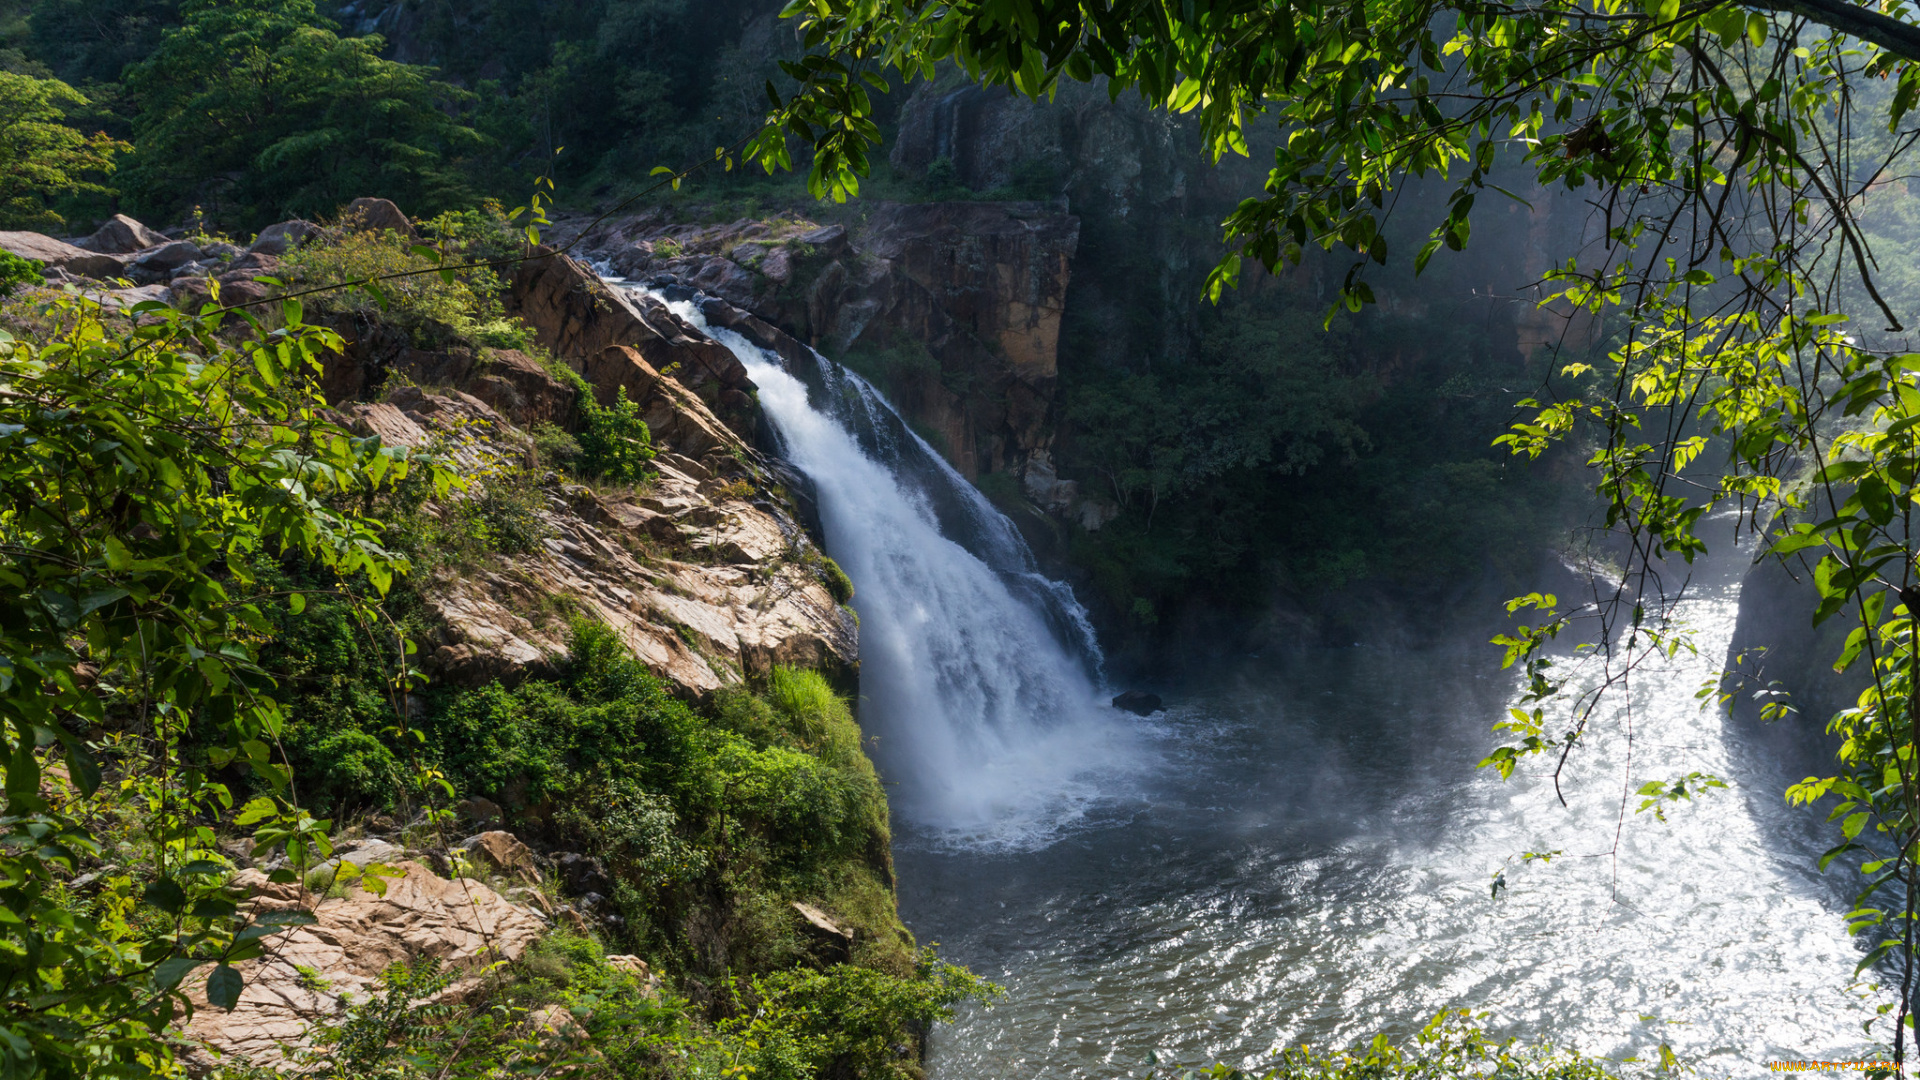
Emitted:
pixel 224 986
pixel 166 894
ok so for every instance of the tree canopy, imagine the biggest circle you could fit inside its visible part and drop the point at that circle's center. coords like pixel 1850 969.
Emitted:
pixel 41 157
pixel 258 110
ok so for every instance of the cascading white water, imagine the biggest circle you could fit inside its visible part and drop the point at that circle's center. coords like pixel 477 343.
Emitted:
pixel 978 674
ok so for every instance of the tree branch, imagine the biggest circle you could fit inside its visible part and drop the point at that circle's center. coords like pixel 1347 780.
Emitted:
pixel 1899 38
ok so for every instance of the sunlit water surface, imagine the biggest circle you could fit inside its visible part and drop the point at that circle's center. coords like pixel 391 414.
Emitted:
pixel 1313 862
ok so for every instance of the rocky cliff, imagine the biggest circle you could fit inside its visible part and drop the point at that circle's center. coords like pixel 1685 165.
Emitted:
pixel 954 307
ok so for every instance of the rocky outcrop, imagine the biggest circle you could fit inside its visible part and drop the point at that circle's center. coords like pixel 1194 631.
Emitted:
pixel 955 308
pixel 579 318
pixel 703 574
pixel 308 970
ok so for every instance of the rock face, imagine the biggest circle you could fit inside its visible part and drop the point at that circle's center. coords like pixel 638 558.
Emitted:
pixel 703 575
pixel 955 308
pixel 306 970
pixel 578 317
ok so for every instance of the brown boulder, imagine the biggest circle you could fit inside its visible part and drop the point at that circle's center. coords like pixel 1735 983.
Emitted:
pixel 576 315
pixel 251 265
pixel 121 235
pixel 573 313
pixel 504 852
pixel 376 215
pixel 833 942
pixel 277 240
pixel 677 417
pixel 57 255
pixel 703 361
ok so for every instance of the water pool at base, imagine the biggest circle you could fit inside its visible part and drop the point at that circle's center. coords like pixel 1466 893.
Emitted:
pixel 1312 860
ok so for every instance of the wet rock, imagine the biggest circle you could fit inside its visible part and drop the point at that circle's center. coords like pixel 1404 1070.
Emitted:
pixel 1138 702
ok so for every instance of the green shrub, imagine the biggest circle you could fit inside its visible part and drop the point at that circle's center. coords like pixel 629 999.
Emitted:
pixel 504 516
pixel 847 1020
pixel 344 768
pixel 818 717
pixel 615 444
pixel 16 271
pixel 431 309
pixel 554 447
pixel 1450 1047
pixel 541 740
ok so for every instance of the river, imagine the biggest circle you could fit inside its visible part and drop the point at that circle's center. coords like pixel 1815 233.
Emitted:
pixel 1313 859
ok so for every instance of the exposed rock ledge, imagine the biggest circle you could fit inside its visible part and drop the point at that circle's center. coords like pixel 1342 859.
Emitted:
pixel 462 922
pixel 703 574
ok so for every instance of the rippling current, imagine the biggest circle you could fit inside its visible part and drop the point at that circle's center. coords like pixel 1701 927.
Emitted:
pixel 1312 861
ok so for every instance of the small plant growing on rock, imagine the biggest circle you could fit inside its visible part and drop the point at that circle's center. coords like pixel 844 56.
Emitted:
pixel 738 489
pixel 838 583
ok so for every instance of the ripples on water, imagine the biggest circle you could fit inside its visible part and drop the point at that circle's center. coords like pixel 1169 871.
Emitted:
pixel 1313 864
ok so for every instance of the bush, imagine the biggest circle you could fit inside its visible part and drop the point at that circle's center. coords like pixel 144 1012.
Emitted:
pixel 344 768
pixel 1450 1047
pixel 554 447
pixel 543 740
pixel 16 271
pixel 504 517
pixel 615 444
pixel 848 1021
pixel 433 311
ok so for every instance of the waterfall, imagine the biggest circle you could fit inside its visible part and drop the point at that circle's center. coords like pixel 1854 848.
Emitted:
pixel 980 677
